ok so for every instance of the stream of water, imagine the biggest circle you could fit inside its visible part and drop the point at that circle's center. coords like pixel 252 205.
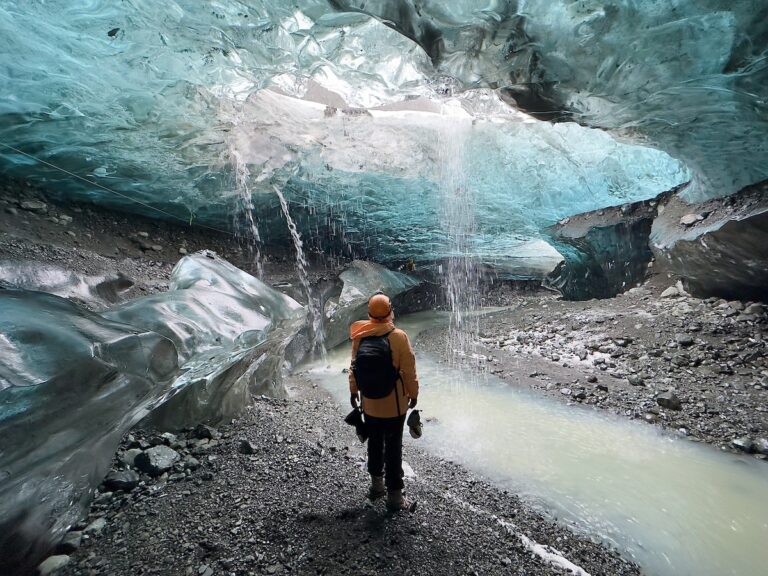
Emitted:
pixel 315 314
pixel 676 507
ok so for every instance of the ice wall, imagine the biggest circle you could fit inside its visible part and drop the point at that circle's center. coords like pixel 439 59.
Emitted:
pixel 73 381
pixel 151 106
pixel 688 77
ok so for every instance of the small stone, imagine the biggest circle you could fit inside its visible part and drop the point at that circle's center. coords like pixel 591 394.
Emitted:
pixel 761 446
pixel 202 431
pixel 70 542
pixel 669 400
pixel 34 206
pixel 70 233
pixel 684 340
pixel 745 444
pixel 125 480
pixel 580 395
pixel 142 234
pixel 52 564
pixel 755 309
pixel 650 417
pixel 191 463
pixel 591 378
pixel 670 292
pixel 635 380
pixel 691 219
pixel 565 391
pixel 205 570
pixel 156 247
pixel 602 387
pixel 65 220
pixel 246 447
pixel 183 251
pixel 11 210
pixel 156 460
pixel 96 527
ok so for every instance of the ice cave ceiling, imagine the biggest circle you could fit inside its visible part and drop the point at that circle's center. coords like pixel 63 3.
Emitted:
pixel 381 121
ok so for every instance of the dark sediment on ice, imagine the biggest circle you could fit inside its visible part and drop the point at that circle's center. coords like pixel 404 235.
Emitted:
pixel 606 252
pixel 719 248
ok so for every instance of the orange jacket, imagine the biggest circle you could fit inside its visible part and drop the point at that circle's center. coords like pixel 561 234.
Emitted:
pixel 406 387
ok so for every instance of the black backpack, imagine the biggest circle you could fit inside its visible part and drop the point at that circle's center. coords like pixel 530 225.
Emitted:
pixel 374 373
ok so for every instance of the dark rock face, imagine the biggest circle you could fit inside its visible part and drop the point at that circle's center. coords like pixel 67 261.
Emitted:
pixel 720 247
pixel 605 251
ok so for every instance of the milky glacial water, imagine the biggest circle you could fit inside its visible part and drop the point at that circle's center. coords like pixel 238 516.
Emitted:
pixel 676 507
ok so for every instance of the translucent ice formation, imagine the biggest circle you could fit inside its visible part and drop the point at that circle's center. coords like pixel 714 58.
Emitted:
pixel 72 382
pixel 361 280
pixel 154 102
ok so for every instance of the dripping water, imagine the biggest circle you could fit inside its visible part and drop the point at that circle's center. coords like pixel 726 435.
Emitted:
pixel 245 207
pixel 315 313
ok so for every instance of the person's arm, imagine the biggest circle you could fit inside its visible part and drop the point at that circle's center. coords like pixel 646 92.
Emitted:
pixel 405 360
pixel 353 390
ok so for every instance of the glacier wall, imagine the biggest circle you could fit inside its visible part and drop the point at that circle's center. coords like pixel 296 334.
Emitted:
pixel 690 78
pixel 72 382
pixel 163 108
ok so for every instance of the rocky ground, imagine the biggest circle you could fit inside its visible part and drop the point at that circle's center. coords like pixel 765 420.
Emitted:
pixel 282 491
pixel 696 367
pixel 92 241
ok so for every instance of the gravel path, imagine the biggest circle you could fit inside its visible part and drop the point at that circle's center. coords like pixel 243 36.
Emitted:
pixel 296 505
pixel 696 367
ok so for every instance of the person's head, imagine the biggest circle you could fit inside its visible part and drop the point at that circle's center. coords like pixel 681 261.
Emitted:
pixel 380 307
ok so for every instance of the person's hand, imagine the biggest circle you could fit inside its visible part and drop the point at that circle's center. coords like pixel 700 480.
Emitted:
pixel 412 403
pixel 353 399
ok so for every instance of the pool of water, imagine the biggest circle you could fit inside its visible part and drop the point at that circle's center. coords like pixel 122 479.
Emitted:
pixel 676 507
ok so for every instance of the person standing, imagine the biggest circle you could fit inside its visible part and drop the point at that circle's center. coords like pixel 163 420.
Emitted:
pixel 383 378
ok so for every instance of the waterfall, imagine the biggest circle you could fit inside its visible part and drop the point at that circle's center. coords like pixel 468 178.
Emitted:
pixel 245 206
pixel 315 313
pixel 460 271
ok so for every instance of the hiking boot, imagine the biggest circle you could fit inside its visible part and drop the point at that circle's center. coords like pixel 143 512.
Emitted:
pixel 377 489
pixel 396 502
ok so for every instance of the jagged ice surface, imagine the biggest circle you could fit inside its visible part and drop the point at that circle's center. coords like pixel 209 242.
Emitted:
pixel 165 103
pixel 72 382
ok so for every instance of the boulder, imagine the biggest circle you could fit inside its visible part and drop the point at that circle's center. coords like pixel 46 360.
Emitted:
pixel 156 460
pixel 96 527
pixel 70 542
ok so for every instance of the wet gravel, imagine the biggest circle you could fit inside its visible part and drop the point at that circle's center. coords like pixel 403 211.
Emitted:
pixel 696 367
pixel 294 503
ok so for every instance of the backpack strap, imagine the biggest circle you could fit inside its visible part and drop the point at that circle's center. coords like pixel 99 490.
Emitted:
pixel 399 378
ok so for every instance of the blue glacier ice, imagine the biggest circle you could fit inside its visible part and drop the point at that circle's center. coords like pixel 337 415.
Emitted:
pixel 338 103
pixel 72 382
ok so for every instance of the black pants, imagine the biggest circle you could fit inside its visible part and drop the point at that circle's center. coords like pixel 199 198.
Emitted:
pixel 385 449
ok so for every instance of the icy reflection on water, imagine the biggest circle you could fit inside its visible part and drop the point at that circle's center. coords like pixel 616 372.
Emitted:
pixel 676 507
